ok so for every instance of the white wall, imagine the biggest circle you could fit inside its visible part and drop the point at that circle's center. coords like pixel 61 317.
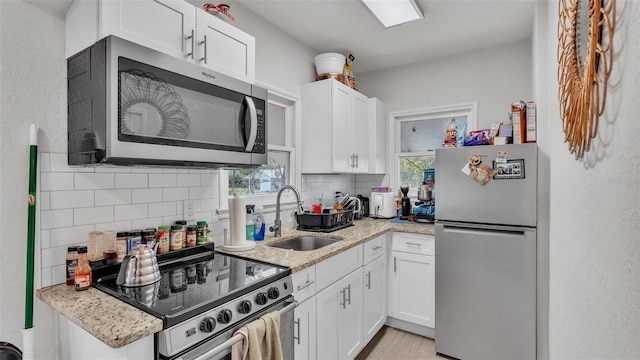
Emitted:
pixel 495 77
pixel 594 222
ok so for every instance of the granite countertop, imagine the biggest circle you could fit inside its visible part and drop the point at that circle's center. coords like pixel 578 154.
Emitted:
pixel 117 323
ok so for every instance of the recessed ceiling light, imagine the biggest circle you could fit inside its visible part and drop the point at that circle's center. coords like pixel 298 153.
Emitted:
pixel 393 12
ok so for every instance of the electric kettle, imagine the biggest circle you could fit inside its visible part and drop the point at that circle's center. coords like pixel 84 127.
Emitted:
pixel 139 268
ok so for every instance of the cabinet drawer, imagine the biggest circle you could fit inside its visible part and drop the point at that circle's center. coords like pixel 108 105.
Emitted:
pixel 336 267
pixel 304 283
pixel 374 248
pixel 414 243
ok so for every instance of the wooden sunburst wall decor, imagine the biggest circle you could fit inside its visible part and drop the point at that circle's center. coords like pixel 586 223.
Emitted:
pixel 585 60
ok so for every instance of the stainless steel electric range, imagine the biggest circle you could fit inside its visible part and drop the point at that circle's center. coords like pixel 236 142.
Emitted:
pixel 203 297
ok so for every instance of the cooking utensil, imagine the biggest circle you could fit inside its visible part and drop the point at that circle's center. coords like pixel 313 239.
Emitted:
pixel 140 268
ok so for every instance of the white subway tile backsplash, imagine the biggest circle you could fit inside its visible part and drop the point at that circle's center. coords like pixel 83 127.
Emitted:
pixel 56 181
pixel 175 171
pixel 189 179
pixel 209 180
pixel 45 239
pixel 209 205
pixel 50 219
pixel 146 170
pixel 98 181
pixel 44 162
pixel 45 277
pixel 175 194
pixel 58 274
pixel 205 216
pixel 113 169
pixel 71 199
pixel 113 197
pixel 71 235
pixel 146 195
pixel 147 223
pixel 59 164
pixel 132 181
pixel 42 200
pixel 162 180
pixel 94 215
pixel 54 256
pixel 163 209
pixel 116 226
pixel 200 192
pixel 168 220
pixel 130 212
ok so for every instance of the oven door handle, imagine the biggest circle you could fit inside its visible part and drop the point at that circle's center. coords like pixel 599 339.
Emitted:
pixel 239 337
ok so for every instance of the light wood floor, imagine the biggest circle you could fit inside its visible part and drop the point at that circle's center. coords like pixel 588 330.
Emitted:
pixel 390 343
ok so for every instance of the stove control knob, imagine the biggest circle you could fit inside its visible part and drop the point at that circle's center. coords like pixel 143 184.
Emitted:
pixel 261 298
pixel 244 307
pixel 273 293
pixel 208 324
pixel 225 315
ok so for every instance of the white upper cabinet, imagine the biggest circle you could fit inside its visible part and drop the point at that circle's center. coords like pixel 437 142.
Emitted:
pixel 174 27
pixel 336 129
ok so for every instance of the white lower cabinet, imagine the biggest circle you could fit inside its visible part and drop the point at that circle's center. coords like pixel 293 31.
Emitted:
pixel 374 296
pixel 339 320
pixel 305 330
pixel 412 278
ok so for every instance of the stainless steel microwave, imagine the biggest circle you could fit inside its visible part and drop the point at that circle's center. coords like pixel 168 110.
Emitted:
pixel 131 105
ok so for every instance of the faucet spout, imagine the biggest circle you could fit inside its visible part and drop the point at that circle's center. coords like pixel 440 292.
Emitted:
pixel 277 227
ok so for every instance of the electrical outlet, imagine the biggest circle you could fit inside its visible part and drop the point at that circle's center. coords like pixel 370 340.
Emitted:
pixel 189 211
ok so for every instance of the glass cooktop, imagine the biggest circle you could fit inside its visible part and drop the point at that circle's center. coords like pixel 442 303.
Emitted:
pixel 189 287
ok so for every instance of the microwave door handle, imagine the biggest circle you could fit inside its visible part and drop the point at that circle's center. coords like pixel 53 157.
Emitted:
pixel 254 123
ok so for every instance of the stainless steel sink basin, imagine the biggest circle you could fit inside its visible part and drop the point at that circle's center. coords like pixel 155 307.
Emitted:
pixel 305 243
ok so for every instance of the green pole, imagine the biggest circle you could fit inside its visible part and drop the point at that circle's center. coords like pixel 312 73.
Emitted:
pixel 31 226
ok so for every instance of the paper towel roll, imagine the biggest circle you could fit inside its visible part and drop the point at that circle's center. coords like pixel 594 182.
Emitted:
pixel 237 220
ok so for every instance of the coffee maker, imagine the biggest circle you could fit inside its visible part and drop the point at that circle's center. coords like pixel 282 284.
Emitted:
pixel 406 202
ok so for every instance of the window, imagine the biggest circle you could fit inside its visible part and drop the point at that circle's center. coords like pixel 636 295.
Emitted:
pixel 263 183
pixel 418 133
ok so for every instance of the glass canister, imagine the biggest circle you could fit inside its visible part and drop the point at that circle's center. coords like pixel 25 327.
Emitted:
pixel 109 247
pixel 95 251
pixel 122 241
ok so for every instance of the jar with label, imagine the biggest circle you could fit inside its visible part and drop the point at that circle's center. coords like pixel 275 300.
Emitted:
pixel 201 236
pixel 163 239
pixel 191 235
pixel 82 274
pixel 109 247
pixel 71 263
pixel 176 237
pixel 191 274
pixel 184 232
pixel 201 273
pixel 176 280
pixel 135 239
pixel 121 245
pixel 149 237
pixel 95 251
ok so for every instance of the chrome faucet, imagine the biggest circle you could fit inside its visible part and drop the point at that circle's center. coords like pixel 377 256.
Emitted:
pixel 277 227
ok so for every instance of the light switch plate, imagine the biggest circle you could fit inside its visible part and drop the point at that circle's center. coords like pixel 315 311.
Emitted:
pixel 189 210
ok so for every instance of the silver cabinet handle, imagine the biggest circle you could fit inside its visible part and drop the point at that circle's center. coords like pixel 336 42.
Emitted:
pixel 410 244
pixel 205 50
pixel 394 264
pixel 344 300
pixel 357 160
pixel 376 248
pixel 297 337
pixel 349 288
pixel 193 44
pixel 368 280
pixel 306 285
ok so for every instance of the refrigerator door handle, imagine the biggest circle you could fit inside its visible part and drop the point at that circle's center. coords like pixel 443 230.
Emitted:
pixel 496 232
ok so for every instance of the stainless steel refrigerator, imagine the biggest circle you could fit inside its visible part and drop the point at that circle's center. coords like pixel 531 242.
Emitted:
pixel 485 249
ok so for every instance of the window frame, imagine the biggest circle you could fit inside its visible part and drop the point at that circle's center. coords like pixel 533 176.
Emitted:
pixel 396 118
pixel 291 103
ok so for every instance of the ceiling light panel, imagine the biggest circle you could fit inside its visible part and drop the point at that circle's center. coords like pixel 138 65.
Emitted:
pixel 393 12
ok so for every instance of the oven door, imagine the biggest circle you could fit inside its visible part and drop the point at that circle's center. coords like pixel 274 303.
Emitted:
pixel 215 349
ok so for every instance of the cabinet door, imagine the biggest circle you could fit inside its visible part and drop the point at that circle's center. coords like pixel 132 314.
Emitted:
pixel 328 303
pixel 360 132
pixel 163 25
pixel 224 48
pixel 412 288
pixel 305 330
pixel 350 323
pixel 341 136
pixel 374 296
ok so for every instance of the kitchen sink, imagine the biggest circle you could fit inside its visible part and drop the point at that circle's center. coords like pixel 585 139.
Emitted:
pixel 305 243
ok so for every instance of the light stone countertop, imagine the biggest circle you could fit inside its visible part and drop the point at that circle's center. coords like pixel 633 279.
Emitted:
pixel 117 323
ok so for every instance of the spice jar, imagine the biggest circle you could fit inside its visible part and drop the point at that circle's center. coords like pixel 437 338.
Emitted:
pixel 71 264
pixel 135 239
pixel 82 274
pixel 191 235
pixel 176 237
pixel 201 235
pixel 176 280
pixel 163 239
pixel 109 247
pixel 121 245
pixel 184 232
pixel 149 237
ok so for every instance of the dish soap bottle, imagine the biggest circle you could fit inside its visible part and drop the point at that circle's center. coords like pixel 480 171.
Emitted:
pixel 250 227
pixel 258 224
